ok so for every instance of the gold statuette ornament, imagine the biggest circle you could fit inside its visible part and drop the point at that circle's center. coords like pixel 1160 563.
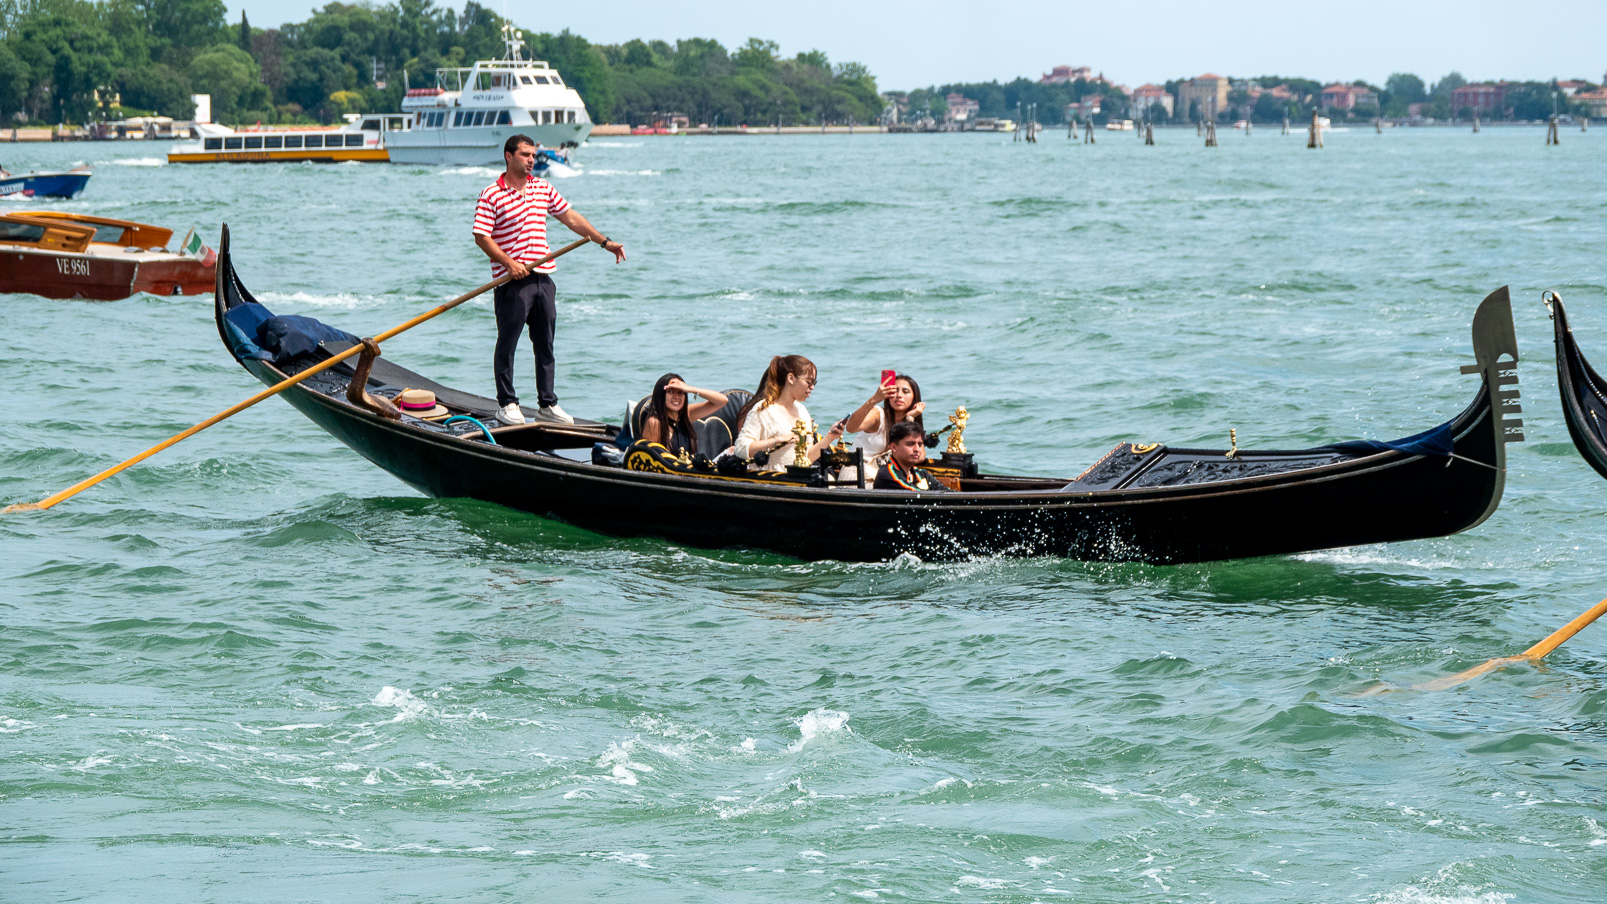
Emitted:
pixel 800 458
pixel 956 441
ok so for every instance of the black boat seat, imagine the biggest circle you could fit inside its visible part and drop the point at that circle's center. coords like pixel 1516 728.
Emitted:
pixel 715 432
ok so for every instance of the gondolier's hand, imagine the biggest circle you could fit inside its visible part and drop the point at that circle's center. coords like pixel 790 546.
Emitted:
pixel 613 247
pixel 519 269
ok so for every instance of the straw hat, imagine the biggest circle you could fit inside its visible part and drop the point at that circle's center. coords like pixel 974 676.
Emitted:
pixel 420 403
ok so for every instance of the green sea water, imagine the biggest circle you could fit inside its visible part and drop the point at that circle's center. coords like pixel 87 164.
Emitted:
pixel 257 669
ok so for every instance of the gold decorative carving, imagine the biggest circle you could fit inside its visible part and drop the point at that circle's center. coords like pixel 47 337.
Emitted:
pixel 956 439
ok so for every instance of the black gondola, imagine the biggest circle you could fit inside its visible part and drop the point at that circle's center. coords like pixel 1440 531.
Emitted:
pixel 1584 393
pixel 1145 503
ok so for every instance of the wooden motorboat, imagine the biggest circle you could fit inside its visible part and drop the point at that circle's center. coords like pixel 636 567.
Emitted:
pixel 1584 392
pixel 1148 503
pixel 71 255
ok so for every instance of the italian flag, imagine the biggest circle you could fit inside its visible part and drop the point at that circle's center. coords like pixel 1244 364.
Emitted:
pixel 194 247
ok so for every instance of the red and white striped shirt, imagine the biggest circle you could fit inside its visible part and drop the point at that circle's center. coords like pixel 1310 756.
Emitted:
pixel 517 221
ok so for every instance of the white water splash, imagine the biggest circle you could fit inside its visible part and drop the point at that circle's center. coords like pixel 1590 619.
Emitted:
pixel 410 706
pixel 819 722
pixel 617 758
pixel 137 161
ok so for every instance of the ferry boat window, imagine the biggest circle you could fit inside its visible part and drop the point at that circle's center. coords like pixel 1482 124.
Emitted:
pixel 231 144
pixel 503 119
pixel 292 141
pixel 556 80
pixel 371 125
pixel 395 123
pixel 479 118
pixel 354 141
pixel 214 144
pixel 526 79
pixel 571 115
pixel 541 80
pixel 438 120
pixel 546 117
pixel 457 118
pixel 315 141
pixel 274 141
pixel 254 142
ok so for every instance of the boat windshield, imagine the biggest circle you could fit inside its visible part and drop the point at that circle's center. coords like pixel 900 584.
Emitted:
pixel 21 232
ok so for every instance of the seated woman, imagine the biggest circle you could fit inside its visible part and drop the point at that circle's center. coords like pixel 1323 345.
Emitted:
pixel 900 402
pixel 668 419
pixel 765 424
pixel 906 442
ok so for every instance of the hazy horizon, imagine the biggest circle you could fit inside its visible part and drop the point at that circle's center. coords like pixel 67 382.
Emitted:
pixel 908 45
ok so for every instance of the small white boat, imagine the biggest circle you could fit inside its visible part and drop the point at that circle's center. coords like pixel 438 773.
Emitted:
pixel 361 138
pixel 1119 125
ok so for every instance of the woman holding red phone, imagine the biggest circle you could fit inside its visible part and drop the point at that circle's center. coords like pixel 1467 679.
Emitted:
pixel 900 400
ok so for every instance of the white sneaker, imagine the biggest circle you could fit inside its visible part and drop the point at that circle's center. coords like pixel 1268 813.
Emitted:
pixel 553 413
pixel 510 414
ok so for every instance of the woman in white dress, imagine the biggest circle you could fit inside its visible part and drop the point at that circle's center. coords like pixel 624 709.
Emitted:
pixel 871 422
pixel 765 424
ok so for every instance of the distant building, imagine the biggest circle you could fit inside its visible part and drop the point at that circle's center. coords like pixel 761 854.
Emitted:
pixel 961 108
pixel 1348 97
pixel 1481 98
pixel 1063 74
pixel 1281 93
pixel 1572 86
pixel 1203 97
pixel 1090 105
pixel 1593 102
pixel 1146 97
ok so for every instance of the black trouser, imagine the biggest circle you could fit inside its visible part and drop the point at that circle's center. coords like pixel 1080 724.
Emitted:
pixel 534 301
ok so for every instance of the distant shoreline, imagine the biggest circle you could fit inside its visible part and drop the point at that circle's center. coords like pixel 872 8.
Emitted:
pixel 623 131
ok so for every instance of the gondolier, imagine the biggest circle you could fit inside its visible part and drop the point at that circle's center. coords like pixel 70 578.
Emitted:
pixel 510 226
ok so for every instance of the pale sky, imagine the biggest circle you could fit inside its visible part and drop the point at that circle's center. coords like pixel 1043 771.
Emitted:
pixel 910 44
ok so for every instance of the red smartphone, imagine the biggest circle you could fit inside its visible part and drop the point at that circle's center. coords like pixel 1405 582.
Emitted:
pixel 888 377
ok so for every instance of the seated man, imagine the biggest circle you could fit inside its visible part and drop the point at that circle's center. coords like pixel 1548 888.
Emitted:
pixel 907 443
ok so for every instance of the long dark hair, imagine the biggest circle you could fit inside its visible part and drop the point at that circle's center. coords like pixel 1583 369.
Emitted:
pixel 658 407
pixel 775 377
pixel 915 398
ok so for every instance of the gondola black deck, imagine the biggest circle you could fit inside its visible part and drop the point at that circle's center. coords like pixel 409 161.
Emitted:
pixel 1146 504
pixel 1584 394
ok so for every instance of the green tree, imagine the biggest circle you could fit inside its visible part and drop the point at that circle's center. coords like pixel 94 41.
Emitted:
pixel 179 29
pixel 758 55
pixel 230 75
pixel 156 87
pixel 15 81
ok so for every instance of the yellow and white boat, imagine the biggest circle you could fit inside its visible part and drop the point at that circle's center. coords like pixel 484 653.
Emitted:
pixel 361 138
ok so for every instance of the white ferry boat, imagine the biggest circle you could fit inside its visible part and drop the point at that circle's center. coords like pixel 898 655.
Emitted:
pixel 466 117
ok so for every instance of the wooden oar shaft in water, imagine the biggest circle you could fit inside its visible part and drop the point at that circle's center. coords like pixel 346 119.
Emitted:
pixel 1536 652
pixel 275 389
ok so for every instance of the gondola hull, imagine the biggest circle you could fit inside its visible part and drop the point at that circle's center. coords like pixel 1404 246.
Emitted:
pixel 1374 498
pixel 1584 393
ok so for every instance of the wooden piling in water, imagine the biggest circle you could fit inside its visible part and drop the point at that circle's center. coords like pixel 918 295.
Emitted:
pixel 1314 139
pixel 1285 125
pixel 1088 131
pixel 1551 132
pixel 1210 134
pixel 1149 133
pixel 1475 124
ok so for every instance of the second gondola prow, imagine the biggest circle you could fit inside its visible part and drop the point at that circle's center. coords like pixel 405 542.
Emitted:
pixel 1584 393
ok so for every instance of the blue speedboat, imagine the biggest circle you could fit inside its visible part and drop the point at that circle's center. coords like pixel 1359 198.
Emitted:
pixel 546 157
pixel 43 185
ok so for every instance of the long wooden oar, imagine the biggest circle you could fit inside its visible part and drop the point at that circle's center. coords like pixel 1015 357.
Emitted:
pixel 275 389
pixel 1533 654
